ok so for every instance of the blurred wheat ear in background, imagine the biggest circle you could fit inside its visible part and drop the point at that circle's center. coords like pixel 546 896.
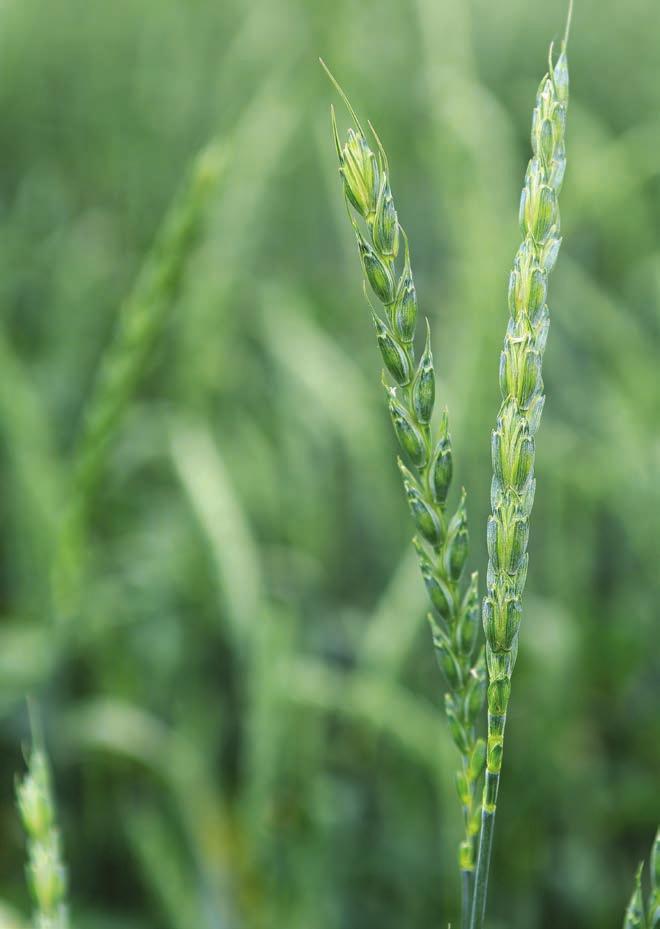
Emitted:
pixel 141 319
pixel 45 870
pixel 641 913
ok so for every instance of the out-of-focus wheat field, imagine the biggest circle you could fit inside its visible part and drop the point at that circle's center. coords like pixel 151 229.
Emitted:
pixel 242 708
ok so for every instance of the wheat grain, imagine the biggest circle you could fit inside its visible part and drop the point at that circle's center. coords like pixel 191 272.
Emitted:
pixel 441 542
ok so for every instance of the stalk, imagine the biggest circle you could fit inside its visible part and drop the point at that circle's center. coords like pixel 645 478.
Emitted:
pixel 466 897
pixel 442 540
pixel 513 442
pixel 488 810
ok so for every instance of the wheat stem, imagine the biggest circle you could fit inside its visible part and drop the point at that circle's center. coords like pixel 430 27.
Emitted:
pixel 442 540
pixel 466 897
pixel 512 492
pixel 488 810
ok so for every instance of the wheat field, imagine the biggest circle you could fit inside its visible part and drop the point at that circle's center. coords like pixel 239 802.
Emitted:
pixel 208 591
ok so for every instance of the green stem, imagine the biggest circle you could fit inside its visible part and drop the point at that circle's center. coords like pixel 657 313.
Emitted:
pixel 489 809
pixel 483 857
pixel 466 898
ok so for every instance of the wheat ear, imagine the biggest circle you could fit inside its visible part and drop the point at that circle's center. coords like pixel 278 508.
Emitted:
pixel 521 384
pixel 141 318
pixel 45 868
pixel 636 917
pixel 442 541
pixel 654 896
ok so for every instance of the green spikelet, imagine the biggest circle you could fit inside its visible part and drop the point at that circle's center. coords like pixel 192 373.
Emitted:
pixel 442 541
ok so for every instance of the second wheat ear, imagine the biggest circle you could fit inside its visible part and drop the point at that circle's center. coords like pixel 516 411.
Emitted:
pixel 442 537
pixel 513 440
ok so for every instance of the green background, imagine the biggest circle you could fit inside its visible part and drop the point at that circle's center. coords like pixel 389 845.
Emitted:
pixel 244 712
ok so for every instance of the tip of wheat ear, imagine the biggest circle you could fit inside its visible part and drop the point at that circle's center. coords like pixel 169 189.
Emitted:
pixel 342 94
pixel 569 20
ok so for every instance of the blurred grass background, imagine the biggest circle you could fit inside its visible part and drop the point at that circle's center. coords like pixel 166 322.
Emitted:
pixel 243 710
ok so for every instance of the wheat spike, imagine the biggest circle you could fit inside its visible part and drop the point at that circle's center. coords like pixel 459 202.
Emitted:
pixel 45 868
pixel 521 384
pixel 442 539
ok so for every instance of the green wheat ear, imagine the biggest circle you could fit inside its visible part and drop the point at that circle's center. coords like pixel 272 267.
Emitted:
pixel 636 916
pixel 513 440
pixel 442 539
pixel 45 868
pixel 654 896
pixel 141 318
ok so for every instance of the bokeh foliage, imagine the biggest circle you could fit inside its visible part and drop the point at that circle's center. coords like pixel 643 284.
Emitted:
pixel 243 711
